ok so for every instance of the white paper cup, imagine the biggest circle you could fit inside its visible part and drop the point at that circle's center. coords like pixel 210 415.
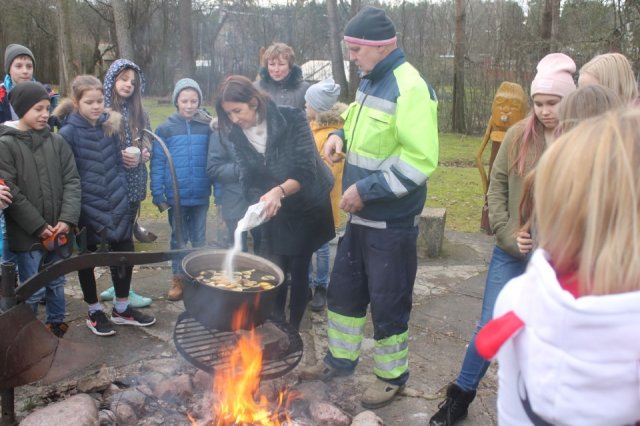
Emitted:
pixel 134 151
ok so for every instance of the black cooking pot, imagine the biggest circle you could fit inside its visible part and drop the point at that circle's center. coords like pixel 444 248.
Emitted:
pixel 215 307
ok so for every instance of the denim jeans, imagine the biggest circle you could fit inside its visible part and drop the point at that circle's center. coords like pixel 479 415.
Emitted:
pixel 194 230
pixel 321 276
pixel 53 292
pixel 502 268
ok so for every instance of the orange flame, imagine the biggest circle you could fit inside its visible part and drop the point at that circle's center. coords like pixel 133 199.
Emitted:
pixel 235 387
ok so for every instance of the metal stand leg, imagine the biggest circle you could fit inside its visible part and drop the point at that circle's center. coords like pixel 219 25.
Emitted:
pixel 7 301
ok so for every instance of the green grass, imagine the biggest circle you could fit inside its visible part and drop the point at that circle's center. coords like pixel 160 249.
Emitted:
pixel 455 185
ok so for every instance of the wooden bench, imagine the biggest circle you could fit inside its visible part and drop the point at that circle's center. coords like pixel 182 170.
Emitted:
pixel 431 231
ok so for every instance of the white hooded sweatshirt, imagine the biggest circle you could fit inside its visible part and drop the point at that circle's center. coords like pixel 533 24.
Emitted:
pixel 575 361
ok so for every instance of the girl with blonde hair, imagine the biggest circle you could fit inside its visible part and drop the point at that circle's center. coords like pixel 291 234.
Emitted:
pixel 612 70
pixel 586 102
pixel 519 152
pixel 567 330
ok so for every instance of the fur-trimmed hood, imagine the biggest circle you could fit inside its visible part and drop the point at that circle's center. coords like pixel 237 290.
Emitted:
pixel 331 117
pixel 110 120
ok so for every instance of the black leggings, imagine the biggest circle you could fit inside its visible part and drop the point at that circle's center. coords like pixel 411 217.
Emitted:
pixel 121 277
pixel 298 268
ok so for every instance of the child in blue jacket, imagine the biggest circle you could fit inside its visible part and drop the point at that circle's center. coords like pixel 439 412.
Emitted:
pixel 186 134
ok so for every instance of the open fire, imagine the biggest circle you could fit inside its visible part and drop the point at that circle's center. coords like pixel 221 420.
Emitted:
pixel 236 396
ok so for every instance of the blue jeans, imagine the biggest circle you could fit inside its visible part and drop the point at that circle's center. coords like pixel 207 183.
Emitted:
pixel 321 277
pixel 194 230
pixel 53 291
pixel 502 268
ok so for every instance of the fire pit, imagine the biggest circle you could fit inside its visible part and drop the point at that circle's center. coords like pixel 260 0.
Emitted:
pixel 209 349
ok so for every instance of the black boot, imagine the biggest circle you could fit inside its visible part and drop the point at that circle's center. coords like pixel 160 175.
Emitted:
pixel 319 300
pixel 454 408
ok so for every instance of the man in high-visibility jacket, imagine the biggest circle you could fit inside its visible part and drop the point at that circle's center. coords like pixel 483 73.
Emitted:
pixel 390 145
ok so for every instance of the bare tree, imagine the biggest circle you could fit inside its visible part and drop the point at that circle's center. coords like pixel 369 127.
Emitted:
pixel 123 28
pixel 457 113
pixel 337 60
pixel 187 65
pixel 65 52
pixel 354 79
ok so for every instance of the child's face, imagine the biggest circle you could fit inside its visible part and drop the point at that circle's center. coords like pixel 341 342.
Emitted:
pixel 21 69
pixel 126 83
pixel 91 105
pixel 546 109
pixel 36 118
pixel 311 113
pixel 187 103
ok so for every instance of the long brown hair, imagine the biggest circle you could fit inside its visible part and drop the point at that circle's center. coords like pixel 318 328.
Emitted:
pixel 136 117
pixel 237 88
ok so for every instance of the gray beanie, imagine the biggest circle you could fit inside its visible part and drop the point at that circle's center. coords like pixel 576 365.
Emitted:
pixel 322 95
pixel 12 52
pixel 186 83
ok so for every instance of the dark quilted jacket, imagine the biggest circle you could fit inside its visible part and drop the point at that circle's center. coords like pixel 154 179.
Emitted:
pixel 105 206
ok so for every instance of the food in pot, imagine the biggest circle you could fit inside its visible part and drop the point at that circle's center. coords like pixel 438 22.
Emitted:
pixel 249 280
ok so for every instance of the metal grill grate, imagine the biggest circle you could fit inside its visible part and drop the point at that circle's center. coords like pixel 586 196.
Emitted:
pixel 209 350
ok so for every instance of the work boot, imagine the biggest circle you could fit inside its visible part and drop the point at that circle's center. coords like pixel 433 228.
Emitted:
pixel 319 300
pixel 379 394
pixel 454 408
pixel 321 371
pixel 175 292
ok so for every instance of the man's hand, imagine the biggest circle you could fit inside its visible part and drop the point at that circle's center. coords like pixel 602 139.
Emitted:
pixel 351 201
pixel 332 152
pixel 61 228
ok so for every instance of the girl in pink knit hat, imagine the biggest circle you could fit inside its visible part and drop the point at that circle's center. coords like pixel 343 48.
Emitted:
pixel 521 149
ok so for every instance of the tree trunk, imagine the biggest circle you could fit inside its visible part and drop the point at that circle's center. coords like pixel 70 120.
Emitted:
pixel 354 78
pixel 457 116
pixel 335 47
pixel 123 29
pixel 65 54
pixel 187 65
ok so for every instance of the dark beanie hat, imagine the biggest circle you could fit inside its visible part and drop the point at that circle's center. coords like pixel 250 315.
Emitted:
pixel 13 51
pixel 370 27
pixel 25 95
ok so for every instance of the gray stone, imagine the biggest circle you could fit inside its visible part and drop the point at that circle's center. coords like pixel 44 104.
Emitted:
pixel 107 418
pixel 325 414
pixel 202 381
pixel 431 231
pixel 367 418
pixel 97 382
pixel 312 391
pixel 79 410
pixel 174 388
pixel 164 366
pixel 132 397
pixel 125 414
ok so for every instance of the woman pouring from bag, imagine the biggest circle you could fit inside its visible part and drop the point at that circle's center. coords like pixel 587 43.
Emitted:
pixel 280 166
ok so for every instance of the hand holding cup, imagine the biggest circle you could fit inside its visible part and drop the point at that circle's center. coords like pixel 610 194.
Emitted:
pixel 131 156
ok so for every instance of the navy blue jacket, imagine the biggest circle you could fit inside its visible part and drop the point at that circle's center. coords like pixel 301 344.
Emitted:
pixel 188 142
pixel 104 205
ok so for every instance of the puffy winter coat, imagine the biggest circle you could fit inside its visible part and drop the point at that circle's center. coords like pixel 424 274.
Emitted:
pixel 188 143
pixel 105 205
pixel 289 91
pixel 39 168
pixel 222 170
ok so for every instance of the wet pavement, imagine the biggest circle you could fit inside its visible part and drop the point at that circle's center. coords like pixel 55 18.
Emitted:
pixel 447 300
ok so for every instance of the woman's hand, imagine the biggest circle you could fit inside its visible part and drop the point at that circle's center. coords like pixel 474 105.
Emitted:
pixel 5 196
pixel 272 202
pixel 524 241
pixel 130 161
